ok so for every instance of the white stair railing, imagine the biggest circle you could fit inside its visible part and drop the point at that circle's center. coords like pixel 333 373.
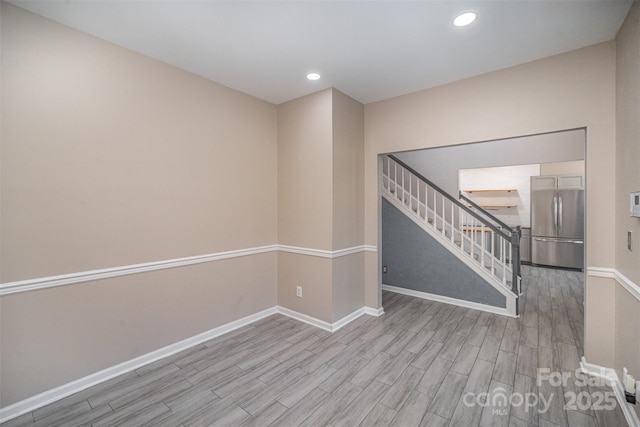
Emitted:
pixel 488 247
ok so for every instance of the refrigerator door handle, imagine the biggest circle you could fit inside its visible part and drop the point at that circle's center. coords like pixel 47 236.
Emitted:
pixel 560 213
pixel 555 213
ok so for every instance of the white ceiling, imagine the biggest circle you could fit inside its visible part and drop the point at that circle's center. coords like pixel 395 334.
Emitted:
pixel 371 50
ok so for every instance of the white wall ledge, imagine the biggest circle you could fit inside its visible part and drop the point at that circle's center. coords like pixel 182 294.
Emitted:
pixel 20 286
pixel 612 273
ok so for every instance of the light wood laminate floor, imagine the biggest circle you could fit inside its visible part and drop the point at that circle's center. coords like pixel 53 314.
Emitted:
pixel 413 366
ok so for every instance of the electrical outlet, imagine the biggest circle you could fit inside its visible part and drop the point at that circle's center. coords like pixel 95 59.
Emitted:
pixel 299 291
pixel 384 268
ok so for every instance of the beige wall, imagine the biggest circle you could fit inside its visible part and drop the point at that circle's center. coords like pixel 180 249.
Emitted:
pixel 600 327
pixel 562 168
pixel 572 90
pixel 348 171
pixel 305 207
pixel 348 285
pixel 320 203
pixel 305 174
pixel 110 158
pixel 348 203
pixel 314 274
pixel 627 348
pixel 627 337
pixel 628 142
pixel 57 335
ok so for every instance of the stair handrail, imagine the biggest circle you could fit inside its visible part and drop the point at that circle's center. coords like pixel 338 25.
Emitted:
pixel 513 235
pixel 452 199
pixel 516 234
pixel 486 213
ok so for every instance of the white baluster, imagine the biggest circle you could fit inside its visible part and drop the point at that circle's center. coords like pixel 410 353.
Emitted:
pixel 395 178
pixel 435 216
pixel 419 203
pixel 482 244
pixel 443 215
pixel 402 195
pixel 472 237
pixel 503 260
pixel 410 192
pixel 451 227
pixel 426 203
pixel 388 187
pixel 493 253
pixel 461 227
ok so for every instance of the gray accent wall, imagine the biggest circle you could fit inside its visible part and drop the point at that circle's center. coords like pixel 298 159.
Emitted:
pixel 417 261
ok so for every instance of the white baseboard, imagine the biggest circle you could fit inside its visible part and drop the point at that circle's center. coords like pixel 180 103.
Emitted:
pixel 32 403
pixel 447 300
pixel 347 319
pixel 330 327
pixel 377 312
pixel 611 377
pixel 72 387
pixel 304 318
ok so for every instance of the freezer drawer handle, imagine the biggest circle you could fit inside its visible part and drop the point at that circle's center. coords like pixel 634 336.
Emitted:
pixel 542 239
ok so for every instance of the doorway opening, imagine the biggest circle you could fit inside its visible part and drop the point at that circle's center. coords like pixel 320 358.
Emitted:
pixel 464 167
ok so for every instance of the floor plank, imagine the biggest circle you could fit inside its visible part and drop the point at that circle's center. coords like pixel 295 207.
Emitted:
pixel 422 363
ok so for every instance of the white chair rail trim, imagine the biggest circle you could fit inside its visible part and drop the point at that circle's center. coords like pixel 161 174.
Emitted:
pixel 325 253
pixel 612 273
pixel 20 286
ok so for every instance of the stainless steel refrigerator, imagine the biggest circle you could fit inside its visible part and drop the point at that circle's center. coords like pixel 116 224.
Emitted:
pixel 557 221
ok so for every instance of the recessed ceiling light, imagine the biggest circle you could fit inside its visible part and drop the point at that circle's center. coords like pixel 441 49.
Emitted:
pixel 313 76
pixel 465 18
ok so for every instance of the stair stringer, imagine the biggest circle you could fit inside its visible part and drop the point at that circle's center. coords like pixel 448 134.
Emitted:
pixel 510 298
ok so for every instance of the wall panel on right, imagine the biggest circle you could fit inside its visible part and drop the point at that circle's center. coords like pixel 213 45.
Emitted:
pixel 627 308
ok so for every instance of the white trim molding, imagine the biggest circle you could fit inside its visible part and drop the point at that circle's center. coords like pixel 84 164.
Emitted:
pixel 304 318
pixel 330 327
pixel 106 273
pixel 449 300
pixel 612 273
pixel 32 403
pixel 50 396
pixel 322 253
pixel 610 375
pixel 377 312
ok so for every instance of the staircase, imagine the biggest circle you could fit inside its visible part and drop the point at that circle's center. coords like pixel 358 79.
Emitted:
pixel 480 240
